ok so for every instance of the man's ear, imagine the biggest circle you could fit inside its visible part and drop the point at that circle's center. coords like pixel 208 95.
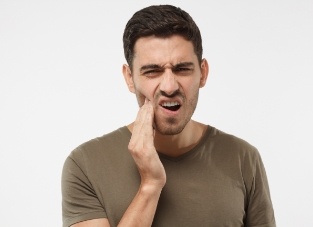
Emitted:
pixel 128 78
pixel 204 72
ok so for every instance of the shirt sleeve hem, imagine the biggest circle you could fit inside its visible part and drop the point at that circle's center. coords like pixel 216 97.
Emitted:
pixel 266 225
pixel 84 217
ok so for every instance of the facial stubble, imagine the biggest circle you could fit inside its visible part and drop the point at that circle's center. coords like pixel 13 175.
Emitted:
pixel 172 125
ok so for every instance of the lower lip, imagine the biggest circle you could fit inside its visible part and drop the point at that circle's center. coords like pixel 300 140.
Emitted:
pixel 169 112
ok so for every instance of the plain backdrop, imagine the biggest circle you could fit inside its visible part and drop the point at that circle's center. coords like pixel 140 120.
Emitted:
pixel 61 85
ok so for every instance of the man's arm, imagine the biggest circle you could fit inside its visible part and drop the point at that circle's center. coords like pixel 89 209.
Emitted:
pixel 101 222
pixel 141 146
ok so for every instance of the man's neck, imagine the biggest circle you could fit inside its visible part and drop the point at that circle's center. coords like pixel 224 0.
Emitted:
pixel 176 145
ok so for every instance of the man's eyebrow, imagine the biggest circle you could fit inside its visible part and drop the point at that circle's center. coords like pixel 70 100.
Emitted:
pixel 183 64
pixel 150 66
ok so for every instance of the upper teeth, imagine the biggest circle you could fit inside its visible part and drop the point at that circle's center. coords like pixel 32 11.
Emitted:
pixel 170 104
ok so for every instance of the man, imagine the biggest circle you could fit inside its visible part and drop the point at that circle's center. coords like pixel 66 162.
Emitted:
pixel 165 169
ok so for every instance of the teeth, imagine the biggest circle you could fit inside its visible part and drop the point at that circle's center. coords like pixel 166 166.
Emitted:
pixel 170 104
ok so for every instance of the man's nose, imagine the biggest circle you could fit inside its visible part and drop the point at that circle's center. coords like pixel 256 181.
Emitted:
pixel 169 84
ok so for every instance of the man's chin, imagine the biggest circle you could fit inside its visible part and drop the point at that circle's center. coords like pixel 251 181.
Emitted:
pixel 169 128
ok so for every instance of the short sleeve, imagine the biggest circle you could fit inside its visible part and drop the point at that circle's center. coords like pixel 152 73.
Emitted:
pixel 260 211
pixel 79 200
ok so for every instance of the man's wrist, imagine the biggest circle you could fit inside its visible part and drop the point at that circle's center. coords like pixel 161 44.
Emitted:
pixel 151 188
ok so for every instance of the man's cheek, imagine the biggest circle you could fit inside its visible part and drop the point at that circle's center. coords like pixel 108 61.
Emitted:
pixel 142 96
pixel 140 99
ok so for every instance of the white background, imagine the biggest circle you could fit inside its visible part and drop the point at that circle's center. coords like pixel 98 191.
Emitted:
pixel 61 84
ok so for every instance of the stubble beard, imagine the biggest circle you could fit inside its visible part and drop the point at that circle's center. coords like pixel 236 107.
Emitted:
pixel 174 126
pixel 171 125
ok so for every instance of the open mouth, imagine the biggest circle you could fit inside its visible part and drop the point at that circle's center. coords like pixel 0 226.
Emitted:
pixel 172 106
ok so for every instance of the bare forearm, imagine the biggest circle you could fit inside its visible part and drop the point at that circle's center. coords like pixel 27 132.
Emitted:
pixel 142 209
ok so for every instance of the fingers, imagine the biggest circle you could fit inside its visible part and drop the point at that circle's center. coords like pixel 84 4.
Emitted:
pixel 143 133
pixel 144 120
pixel 142 149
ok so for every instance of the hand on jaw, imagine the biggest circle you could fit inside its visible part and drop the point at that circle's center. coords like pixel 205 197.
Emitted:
pixel 141 146
pixel 142 149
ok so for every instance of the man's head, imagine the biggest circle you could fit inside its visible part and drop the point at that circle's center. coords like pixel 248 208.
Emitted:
pixel 160 21
pixel 164 54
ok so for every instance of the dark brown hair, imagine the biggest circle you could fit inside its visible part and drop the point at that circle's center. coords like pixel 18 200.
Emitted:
pixel 161 21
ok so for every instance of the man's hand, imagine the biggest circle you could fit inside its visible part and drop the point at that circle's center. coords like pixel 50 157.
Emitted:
pixel 141 147
pixel 142 209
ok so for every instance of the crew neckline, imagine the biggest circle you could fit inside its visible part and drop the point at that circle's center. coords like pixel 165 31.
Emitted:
pixel 186 154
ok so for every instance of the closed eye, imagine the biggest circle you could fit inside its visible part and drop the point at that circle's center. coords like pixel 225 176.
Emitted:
pixel 182 70
pixel 152 72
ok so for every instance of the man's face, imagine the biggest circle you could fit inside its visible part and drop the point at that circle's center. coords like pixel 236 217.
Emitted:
pixel 166 72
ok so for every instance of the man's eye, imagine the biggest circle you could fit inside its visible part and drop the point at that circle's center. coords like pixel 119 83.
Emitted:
pixel 182 70
pixel 151 72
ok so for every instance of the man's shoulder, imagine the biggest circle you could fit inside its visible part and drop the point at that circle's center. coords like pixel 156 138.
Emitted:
pixel 231 149
pixel 230 141
pixel 105 143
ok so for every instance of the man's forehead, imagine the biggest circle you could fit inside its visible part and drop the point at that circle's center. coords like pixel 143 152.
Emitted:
pixel 163 51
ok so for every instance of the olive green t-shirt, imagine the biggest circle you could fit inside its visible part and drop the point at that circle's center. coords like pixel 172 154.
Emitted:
pixel 220 182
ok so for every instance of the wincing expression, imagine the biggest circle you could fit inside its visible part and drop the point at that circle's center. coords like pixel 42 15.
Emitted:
pixel 166 71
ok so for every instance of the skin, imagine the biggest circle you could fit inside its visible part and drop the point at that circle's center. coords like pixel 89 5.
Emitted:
pixel 175 133
pixel 164 70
